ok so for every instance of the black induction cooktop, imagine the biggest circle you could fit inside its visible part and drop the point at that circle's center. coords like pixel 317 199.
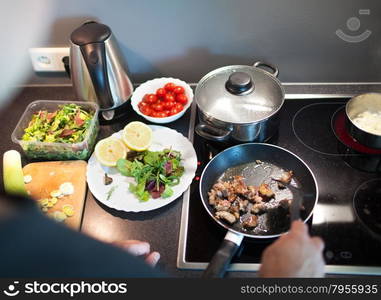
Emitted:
pixel 348 213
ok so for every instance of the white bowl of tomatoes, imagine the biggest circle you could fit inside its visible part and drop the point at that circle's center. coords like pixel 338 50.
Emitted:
pixel 162 100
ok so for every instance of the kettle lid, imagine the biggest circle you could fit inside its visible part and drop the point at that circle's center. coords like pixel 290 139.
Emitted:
pixel 90 32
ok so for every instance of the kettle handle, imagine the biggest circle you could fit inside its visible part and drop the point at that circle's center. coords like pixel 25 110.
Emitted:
pixel 94 55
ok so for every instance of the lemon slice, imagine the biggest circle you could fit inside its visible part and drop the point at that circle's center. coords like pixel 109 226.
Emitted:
pixel 137 136
pixel 109 150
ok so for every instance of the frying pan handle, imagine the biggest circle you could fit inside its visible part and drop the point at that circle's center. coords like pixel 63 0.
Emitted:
pixel 221 259
pixel 211 133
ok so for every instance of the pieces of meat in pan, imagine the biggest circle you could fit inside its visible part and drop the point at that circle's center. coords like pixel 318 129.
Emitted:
pixel 235 201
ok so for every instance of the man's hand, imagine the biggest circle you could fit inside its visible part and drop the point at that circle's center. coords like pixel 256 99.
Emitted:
pixel 139 248
pixel 295 254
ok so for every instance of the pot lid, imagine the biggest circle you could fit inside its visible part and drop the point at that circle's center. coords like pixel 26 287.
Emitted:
pixel 239 94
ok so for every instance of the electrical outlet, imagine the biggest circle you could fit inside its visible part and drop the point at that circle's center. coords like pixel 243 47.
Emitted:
pixel 48 59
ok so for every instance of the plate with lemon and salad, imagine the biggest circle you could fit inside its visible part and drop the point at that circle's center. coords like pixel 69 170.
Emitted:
pixel 141 168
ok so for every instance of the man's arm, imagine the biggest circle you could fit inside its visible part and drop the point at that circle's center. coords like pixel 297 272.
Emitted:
pixel 32 245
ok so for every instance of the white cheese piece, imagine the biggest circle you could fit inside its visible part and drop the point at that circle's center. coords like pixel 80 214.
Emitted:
pixel 27 178
pixel 67 188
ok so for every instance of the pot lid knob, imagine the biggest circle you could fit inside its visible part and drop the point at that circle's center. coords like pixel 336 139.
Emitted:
pixel 239 83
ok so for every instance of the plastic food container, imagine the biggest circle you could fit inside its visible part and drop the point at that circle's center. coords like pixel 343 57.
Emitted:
pixel 56 151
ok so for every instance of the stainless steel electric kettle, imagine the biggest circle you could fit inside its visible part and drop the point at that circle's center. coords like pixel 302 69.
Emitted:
pixel 98 71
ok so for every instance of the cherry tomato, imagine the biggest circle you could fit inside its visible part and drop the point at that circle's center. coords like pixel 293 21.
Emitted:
pixel 146 110
pixel 179 90
pixel 142 104
pixel 179 106
pixel 169 104
pixel 169 97
pixel 168 112
pixel 162 114
pixel 160 92
pixel 181 98
pixel 170 86
pixel 174 111
pixel 151 98
pixel 157 107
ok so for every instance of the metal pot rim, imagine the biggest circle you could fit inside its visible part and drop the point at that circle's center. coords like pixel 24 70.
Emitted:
pixel 243 123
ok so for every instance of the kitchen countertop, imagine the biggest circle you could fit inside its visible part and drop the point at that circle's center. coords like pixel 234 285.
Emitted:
pixel 159 227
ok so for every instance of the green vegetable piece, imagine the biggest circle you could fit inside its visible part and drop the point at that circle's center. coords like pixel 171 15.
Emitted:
pixel 178 172
pixel 168 192
pixel 111 191
pixel 163 178
pixel 132 188
pixel 173 180
pixel 152 158
pixel 144 197
pixel 124 166
pixel 175 163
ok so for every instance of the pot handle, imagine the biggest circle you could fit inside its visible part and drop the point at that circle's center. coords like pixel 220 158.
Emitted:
pixel 222 258
pixel 275 70
pixel 211 133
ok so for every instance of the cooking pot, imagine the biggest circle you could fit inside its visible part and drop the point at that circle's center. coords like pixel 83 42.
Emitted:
pixel 239 103
pixel 370 102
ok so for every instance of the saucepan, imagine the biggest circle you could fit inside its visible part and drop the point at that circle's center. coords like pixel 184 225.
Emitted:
pixel 257 163
pixel 239 103
pixel 364 119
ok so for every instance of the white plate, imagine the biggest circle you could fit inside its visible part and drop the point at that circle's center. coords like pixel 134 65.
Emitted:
pixel 122 198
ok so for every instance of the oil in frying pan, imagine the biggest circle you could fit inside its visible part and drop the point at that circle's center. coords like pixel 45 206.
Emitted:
pixel 276 219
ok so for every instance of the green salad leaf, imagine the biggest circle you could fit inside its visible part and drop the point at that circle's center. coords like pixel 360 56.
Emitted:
pixel 168 192
pixel 155 172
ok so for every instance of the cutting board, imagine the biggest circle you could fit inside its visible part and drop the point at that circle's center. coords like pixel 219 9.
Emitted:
pixel 48 176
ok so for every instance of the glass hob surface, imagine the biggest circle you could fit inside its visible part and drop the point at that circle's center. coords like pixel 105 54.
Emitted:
pixel 348 212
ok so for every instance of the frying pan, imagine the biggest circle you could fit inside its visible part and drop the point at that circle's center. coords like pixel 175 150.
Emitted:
pixel 241 160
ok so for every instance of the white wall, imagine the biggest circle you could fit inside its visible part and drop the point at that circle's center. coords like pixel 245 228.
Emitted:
pixel 186 39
